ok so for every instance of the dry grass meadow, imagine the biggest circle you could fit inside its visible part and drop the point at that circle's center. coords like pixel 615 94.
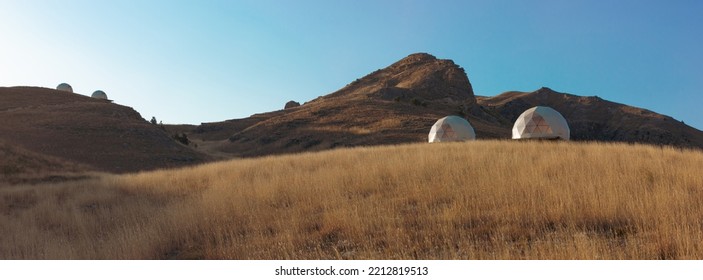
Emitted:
pixel 476 200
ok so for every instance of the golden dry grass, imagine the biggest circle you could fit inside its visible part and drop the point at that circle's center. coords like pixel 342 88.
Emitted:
pixel 476 200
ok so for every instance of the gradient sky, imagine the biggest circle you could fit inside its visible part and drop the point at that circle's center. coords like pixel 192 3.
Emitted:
pixel 205 61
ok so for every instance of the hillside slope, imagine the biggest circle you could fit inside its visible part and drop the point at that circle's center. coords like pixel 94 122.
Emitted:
pixel 87 131
pixel 472 200
pixel 399 104
pixel 20 166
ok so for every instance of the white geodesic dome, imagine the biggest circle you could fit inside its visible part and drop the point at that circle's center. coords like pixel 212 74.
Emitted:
pixel 451 128
pixel 64 87
pixel 99 94
pixel 541 123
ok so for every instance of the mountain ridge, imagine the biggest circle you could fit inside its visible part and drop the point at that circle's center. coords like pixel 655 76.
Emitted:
pixel 393 105
pixel 399 103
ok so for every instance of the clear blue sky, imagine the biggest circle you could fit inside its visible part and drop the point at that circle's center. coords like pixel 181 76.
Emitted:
pixel 204 61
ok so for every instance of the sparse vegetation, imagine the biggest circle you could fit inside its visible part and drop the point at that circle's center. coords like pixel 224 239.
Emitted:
pixel 475 200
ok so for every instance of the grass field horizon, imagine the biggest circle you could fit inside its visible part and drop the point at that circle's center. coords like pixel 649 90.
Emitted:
pixel 492 199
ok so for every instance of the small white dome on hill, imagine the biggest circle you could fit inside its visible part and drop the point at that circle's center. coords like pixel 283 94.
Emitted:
pixel 64 87
pixel 451 128
pixel 99 94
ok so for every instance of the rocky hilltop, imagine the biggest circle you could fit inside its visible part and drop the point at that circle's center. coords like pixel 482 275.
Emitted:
pixel 393 105
pixel 420 77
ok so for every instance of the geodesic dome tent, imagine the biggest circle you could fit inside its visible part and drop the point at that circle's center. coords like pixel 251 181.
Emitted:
pixel 541 123
pixel 451 128
pixel 99 94
pixel 64 87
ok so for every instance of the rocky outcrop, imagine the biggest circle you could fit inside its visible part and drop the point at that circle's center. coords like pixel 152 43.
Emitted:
pixel 419 78
pixel 429 78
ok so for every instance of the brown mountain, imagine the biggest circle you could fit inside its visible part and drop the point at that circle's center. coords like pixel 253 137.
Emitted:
pixel 398 104
pixel 93 133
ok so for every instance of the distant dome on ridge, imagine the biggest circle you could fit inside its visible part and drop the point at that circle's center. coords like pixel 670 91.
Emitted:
pixel 64 87
pixel 99 94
